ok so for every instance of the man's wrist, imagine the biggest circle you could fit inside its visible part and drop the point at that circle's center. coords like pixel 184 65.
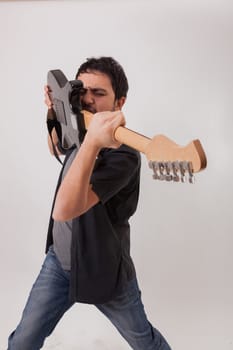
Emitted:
pixel 91 144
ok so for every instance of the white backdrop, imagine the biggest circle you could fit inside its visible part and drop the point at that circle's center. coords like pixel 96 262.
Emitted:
pixel 178 57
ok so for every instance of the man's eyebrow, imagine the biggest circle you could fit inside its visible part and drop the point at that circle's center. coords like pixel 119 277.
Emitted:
pixel 93 88
pixel 98 89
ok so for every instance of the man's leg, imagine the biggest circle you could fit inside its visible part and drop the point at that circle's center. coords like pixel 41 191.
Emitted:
pixel 126 312
pixel 47 303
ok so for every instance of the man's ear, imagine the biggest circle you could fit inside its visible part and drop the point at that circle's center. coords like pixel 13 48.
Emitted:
pixel 119 103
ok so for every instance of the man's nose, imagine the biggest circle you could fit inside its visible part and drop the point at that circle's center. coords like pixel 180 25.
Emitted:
pixel 88 97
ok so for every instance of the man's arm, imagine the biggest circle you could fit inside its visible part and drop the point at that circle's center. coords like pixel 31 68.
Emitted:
pixel 55 142
pixel 75 195
pixel 54 136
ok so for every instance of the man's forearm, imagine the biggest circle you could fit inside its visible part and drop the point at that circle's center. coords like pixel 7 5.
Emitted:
pixel 74 196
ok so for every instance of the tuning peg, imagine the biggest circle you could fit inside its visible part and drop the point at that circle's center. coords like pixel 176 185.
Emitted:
pixel 155 166
pixel 175 169
pixel 190 171
pixel 162 176
pixel 168 168
pixel 183 168
pixel 187 169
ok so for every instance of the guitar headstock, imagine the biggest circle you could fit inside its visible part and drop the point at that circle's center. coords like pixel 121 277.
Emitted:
pixel 171 162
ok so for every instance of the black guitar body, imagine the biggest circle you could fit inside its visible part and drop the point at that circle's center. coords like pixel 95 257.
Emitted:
pixel 65 96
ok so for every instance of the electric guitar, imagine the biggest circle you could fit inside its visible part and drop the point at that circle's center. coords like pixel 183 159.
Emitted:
pixel 168 160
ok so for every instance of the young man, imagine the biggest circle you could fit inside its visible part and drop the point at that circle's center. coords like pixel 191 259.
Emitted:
pixel 88 244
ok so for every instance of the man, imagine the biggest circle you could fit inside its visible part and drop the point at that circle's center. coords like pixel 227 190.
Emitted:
pixel 88 244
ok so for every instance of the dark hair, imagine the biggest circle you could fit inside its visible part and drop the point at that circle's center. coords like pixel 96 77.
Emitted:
pixel 112 69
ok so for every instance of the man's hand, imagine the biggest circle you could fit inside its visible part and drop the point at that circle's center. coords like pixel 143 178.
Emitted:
pixel 48 100
pixel 49 104
pixel 102 128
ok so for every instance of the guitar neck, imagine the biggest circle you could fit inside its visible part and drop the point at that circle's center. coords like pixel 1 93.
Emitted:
pixel 124 135
pixel 160 148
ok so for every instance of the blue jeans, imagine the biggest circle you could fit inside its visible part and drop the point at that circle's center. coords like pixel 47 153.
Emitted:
pixel 48 301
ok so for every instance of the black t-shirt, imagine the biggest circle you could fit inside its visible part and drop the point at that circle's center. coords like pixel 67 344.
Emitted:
pixel 100 249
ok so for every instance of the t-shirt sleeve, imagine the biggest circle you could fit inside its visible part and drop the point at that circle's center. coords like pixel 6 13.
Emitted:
pixel 113 171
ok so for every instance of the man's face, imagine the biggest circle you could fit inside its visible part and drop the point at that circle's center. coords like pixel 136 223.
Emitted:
pixel 98 94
